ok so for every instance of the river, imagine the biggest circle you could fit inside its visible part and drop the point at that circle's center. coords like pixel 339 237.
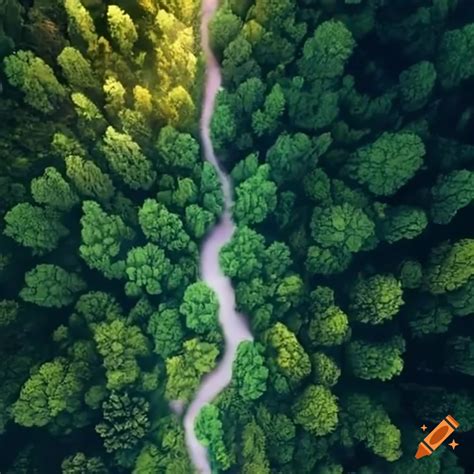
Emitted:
pixel 233 324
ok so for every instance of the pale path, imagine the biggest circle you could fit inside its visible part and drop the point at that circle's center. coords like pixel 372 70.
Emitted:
pixel 233 324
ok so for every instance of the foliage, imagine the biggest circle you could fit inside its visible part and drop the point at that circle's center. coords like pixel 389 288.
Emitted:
pixel 51 286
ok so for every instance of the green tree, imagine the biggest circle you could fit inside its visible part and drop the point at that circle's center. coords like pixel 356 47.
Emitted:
pixel 316 410
pixel 255 198
pixel 36 80
pixel 166 330
pixel 376 360
pixel 54 389
pixel 388 163
pixel 197 220
pixel 327 51
pixel 185 371
pixel 291 359
pixel 34 227
pixel 52 190
pixel 126 160
pixel 121 29
pixel 223 28
pixel 325 370
pixel 249 371
pixel 79 463
pixel 210 432
pixel 450 194
pixel 289 157
pixel 200 307
pixel 147 269
pixel 329 328
pixel 242 256
pixel 343 227
pixel 376 299
pixel 77 70
pixel 120 345
pixel 367 422
pixel 177 150
pixel 103 236
pixel 454 62
pixel 125 421
pixel 266 120
pixel 416 85
pixel 89 180
pixel 449 266
pixel 162 226
pixel 402 222
pixel 80 25
pixel 51 286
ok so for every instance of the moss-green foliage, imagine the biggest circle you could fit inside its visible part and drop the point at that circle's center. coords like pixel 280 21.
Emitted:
pixel 346 127
pixel 388 163
pixel 34 227
pixel 376 299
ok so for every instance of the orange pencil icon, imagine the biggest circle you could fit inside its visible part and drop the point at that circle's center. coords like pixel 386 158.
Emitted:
pixel 435 439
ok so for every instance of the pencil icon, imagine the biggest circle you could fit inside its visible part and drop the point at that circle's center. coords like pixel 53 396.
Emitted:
pixel 436 437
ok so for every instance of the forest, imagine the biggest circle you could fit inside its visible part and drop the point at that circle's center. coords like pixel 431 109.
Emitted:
pixel 347 127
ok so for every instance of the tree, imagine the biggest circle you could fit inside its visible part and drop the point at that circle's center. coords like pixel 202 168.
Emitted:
pixel 89 180
pixel 177 150
pixel 266 120
pixel 147 269
pixel 254 450
pixel 210 432
pixel 121 29
pixel 55 388
pixel 249 371
pixel 449 266
pixel 34 227
pixel 430 317
pixel 103 236
pixel 210 190
pixel 52 190
pixel 316 410
pixel 36 80
pixel 378 360
pixel 289 157
pixel 242 256
pixel 200 307
pixel 325 370
pixel 97 306
pixel 125 422
pixel 255 198
pixel 329 328
pixel 459 355
pixel 402 222
pixel 126 160
pixel 120 345
pixel 326 52
pixel 416 85
pixel 80 26
pixel 77 70
pixel 461 301
pixel 223 28
pixel 375 299
pixel 162 226
pixel 166 329
pixel 51 286
pixel 197 221
pixel 454 62
pixel 388 163
pixel 79 463
pixel 8 312
pixel 451 193
pixel 343 227
pixel 185 371
pixel 367 422
pixel 410 274
pixel 291 359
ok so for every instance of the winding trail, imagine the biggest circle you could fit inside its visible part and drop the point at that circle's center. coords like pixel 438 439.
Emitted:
pixel 233 324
